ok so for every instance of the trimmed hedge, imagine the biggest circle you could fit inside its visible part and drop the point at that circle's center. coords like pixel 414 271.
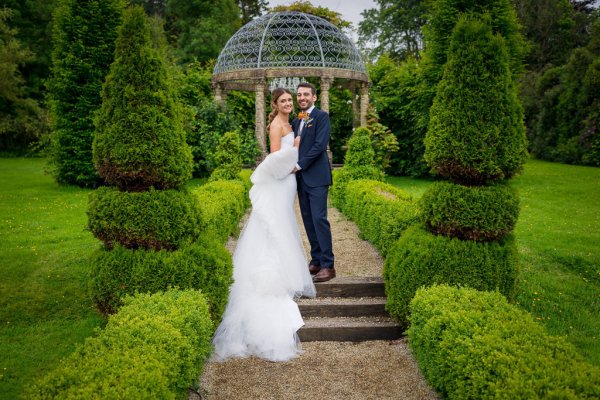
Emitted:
pixel 155 219
pixel 227 158
pixel 481 213
pixel 475 345
pixel 420 258
pixel 346 174
pixel 154 348
pixel 381 211
pixel 205 265
pixel 222 204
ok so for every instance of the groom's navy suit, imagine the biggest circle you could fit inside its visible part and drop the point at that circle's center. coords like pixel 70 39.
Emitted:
pixel 314 179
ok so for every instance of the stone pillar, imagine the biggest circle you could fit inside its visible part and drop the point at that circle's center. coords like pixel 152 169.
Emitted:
pixel 364 103
pixel 355 108
pixel 326 82
pixel 220 94
pixel 260 118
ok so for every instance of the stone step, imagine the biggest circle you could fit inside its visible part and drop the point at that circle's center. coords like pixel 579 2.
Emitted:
pixel 349 329
pixel 342 307
pixel 348 286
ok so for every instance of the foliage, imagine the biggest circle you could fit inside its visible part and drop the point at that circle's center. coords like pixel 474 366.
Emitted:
pixel 397 94
pixel 205 265
pixel 359 163
pixel 385 144
pixel 154 348
pixel 481 213
pixel 474 345
pixel 476 133
pixel 84 43
pixel 223 203
pixel 420 258
pixel 139 139
pixel 343 119
pixel 199 29
pixel 227 158
pixel 23 121
pixel 32 21
pixel 381 211
pixel 394 28
pixel 154 219
pixel 333 17
pixel 251 9
pixel 565 123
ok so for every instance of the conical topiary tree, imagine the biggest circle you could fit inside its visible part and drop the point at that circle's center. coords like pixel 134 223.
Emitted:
pixel 476 139
pixel 151 226
pixel 83 49
pixel 359 163
pixel 140 141
pixel 227 158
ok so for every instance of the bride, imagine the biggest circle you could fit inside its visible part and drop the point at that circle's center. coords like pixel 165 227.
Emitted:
pixel 269 262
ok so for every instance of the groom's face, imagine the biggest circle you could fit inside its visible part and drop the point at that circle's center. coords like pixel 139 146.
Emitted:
pixel 305 98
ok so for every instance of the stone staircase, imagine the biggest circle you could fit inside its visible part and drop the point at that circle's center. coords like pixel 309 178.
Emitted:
pixel 348 309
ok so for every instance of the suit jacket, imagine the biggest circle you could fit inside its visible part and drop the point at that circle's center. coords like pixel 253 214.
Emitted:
pixel 312 154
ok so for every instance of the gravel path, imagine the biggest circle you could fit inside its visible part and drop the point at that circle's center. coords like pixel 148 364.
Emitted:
pixel 325 370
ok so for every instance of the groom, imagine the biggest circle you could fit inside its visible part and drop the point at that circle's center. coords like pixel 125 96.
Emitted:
pixel 313 174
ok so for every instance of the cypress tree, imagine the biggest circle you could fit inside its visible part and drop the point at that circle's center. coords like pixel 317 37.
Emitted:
pixel 83 38
pixel 140 141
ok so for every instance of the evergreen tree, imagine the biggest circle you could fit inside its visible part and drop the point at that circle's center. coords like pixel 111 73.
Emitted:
pixel 476 132
pixel 140 142
pixel 84 37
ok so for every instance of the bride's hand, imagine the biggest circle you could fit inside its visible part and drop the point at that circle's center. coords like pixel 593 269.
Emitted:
pixel 297 141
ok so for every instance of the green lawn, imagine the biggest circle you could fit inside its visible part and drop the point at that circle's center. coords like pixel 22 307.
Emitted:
pixel 558 236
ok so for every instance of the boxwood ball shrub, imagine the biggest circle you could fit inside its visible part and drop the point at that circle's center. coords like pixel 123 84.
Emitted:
pixel 140 140
pixel 154 348
pixel 154 219
pixel 420 258
pixel 381 211
pixel 475 345
pixel 481 213
pixel 205 265
pixel 476 133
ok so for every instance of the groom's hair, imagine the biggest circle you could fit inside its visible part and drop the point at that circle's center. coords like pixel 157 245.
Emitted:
pixel 312 87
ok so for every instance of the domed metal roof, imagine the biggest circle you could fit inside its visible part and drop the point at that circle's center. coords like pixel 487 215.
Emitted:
pixel 289 40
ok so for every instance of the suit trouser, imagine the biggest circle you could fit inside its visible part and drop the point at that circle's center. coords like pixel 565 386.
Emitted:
pixel 313 207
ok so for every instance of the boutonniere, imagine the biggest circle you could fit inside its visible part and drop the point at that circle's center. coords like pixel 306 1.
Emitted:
pixel 308 122
pixel 303 115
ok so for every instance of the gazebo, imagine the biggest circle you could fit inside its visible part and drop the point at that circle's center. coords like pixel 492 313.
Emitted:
pixel 280 49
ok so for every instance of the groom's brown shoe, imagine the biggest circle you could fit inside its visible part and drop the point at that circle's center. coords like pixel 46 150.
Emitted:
pixel 324 275
pixel 314 268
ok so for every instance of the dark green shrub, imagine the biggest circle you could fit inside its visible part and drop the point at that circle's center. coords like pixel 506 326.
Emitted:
pixel 474 345
pixel 227 158
pixel 381 211
pixel 481 213
pixel 359 163
pixel 155 219
pixel 83 49
pixel 139 141
pixel 420 258
pixel 476 132
pixel 154 348
pixel 222 203
pixel 205 265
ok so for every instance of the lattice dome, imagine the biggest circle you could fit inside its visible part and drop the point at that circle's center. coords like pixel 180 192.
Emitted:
pixel 289 39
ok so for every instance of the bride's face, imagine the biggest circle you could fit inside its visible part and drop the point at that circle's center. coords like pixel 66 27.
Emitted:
pixel 285 103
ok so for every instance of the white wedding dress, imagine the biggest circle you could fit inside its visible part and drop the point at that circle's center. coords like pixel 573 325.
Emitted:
pixel 269 268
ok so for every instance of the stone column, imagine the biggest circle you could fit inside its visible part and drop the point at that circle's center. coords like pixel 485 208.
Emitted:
pixel 220 95
pixel 364 103
pixel 355 108
pixel 260 118
pixel 326 82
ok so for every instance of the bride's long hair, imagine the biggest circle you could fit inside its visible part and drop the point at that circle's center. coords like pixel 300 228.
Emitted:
pixel 275 95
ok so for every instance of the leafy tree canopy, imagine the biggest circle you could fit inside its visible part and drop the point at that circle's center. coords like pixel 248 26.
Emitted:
pixel 333 17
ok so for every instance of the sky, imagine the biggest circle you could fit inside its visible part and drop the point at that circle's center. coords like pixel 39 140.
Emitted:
pixel 349 9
